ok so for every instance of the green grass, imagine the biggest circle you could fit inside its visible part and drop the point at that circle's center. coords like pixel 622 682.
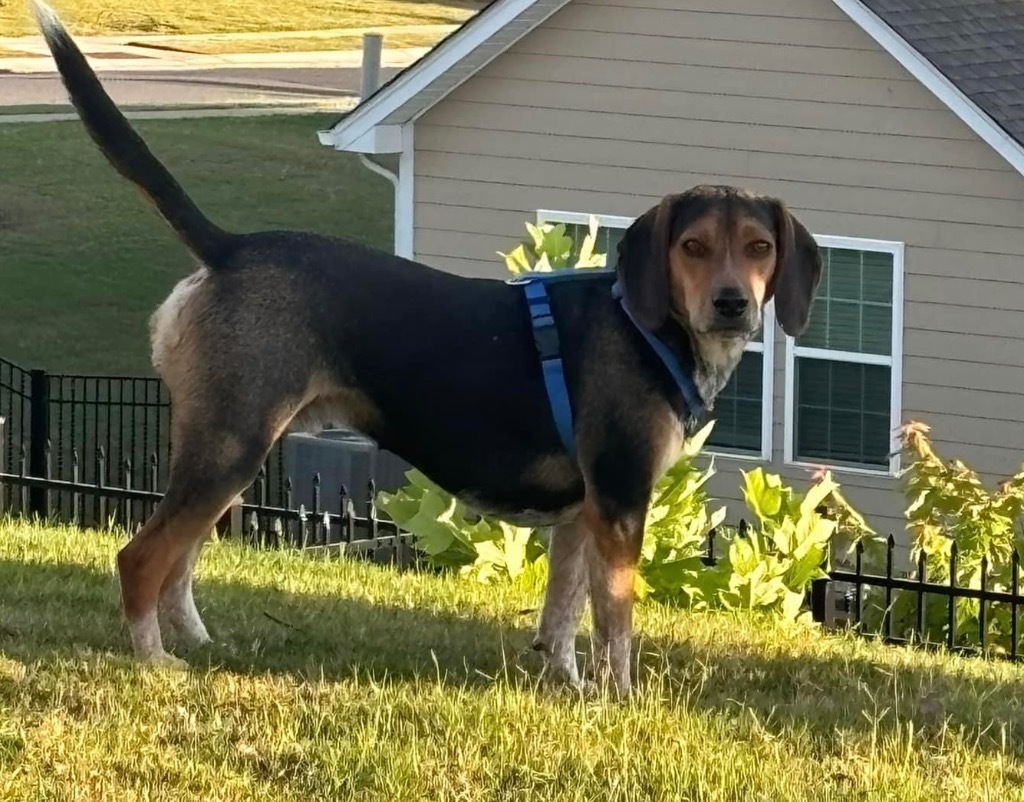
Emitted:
pixel 91 17
pixel 341 681
pixel 86 260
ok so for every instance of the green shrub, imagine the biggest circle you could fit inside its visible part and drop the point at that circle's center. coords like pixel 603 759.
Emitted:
pixel 772 565
pixel 488 549
pixel 678 524
pixel 450 536
pixel 948 505
pixel 550 248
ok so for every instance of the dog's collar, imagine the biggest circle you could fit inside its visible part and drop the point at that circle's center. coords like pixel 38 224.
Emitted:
pixel 681 366
pixel 545 335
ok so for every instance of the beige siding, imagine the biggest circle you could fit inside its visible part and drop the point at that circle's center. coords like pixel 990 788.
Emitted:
pixel 611 104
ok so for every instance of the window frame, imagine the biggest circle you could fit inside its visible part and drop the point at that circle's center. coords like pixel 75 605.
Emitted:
pixel 766 347
pixel 894 362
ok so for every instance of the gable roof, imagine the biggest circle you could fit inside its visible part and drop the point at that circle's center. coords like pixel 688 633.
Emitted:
pixel 976 44
pixel 374 126
pixel 958 50
pixel 968 53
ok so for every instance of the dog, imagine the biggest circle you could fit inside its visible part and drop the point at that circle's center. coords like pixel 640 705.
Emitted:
pixel 277 330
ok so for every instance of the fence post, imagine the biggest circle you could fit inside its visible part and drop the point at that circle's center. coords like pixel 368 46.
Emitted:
pixel 3 464
pixel 819 602
pixel 236 520
pixel 39 433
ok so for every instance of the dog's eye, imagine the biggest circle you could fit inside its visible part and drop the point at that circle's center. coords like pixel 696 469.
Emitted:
pixel 694 247
pixel 759 247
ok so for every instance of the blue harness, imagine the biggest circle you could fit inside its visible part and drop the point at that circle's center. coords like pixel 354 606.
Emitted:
pixel 545 337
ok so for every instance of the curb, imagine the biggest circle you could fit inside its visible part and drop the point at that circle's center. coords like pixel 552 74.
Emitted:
pixel 176 61
pixel 185 113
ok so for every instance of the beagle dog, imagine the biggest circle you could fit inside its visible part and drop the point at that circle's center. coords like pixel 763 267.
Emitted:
pixel 277 330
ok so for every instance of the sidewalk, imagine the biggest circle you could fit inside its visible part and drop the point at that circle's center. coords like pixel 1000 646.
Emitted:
pixel 154 74
pixel 149 52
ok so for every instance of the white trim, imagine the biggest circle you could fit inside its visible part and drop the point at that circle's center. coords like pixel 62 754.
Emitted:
pixel 768 381
pixel 405 206
pixel 843 356
pixel 583 218
pixel 935 82
pixel 894 362
pixel 766 347
pixel 438 61
pixel 859 243
pixel 896 377
pixel 379 139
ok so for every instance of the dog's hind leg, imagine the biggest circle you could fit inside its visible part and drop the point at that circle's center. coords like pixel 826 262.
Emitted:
pixel 209 468
pixel 564 598
pixel 177 601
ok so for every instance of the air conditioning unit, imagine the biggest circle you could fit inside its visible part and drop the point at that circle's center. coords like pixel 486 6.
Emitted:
pixel 341 457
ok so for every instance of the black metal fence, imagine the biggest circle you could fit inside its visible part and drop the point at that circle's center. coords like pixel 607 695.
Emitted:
pixel 937 610
pixel 93 451
pixel 94 430
pixel 329 524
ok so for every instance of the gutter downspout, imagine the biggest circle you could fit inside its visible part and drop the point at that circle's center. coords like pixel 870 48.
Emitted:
pixel 369 164
pixel 370 81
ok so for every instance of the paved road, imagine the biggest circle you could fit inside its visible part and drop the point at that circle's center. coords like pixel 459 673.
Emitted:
pixel 228 86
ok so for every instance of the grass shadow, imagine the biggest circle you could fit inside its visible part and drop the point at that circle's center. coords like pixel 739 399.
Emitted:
pixel 52 611
pixel 826 687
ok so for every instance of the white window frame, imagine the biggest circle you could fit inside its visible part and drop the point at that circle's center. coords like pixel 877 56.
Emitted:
pixel 894 362
pixel 766 347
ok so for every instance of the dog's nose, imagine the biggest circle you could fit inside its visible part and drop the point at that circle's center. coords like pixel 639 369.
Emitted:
pixel 730 303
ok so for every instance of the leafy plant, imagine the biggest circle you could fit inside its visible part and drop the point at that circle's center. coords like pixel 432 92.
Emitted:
pixel 453 537
pixel 550 248
pixel 771 564
pixel 947 504
pixel 489 549
pixel 678 523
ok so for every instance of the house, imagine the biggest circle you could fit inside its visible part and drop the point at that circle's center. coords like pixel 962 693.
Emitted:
pixel 892 128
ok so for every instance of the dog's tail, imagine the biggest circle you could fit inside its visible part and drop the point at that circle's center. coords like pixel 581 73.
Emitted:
pixel 126 150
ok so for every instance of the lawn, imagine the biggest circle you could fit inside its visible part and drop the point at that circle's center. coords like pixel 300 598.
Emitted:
pixel 90 17
pixel 341 681
pixel 86 260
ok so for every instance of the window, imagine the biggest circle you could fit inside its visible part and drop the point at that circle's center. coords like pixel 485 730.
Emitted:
pixel 612 229
pixel 843 375
pixel 743 410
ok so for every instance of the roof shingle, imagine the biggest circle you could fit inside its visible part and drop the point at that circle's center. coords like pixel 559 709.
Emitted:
pixel 977 44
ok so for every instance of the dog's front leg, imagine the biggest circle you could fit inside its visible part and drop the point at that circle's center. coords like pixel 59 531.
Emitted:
pixel 613 554
pixel 563 601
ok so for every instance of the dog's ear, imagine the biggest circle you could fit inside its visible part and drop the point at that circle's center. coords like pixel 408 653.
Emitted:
pixel 643 263
pixel 797 272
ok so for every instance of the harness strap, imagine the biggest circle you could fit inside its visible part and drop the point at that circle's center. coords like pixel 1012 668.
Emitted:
pixel 545 336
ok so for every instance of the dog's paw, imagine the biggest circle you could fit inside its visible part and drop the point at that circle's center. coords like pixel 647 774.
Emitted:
pixel 167 662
